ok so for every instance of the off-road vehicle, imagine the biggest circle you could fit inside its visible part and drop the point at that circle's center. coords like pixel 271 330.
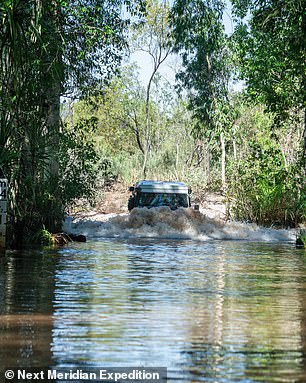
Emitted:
pixel 160 193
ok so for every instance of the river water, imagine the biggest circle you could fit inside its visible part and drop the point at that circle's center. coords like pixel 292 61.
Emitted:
pixel 211 302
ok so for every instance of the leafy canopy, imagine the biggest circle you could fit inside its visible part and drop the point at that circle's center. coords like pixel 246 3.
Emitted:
pixel 273 51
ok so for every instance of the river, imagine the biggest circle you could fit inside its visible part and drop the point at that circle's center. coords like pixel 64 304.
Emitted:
pixel 209 309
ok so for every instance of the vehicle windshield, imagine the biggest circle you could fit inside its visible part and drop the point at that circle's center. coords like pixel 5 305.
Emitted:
pixel 172 200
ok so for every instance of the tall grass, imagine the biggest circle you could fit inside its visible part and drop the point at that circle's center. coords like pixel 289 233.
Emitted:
pixel 268 198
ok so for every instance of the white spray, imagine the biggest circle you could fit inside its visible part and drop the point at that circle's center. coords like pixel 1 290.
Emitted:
pixel 164 223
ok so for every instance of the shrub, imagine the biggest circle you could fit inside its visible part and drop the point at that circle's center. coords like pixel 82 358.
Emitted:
pixel 263 191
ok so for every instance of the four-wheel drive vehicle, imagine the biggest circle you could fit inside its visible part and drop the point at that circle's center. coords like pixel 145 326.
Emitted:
pixel 159 193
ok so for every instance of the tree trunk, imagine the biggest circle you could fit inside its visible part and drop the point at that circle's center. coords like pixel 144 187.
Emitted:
pixel 147 144
pixel 235 150
pixel 144 166
pixel 304 136
pixel 52 87
pixel 207 164
pixel 223 163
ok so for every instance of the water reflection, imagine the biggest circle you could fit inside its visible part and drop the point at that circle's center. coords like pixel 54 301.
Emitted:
pixel 213 312
pixel 26 296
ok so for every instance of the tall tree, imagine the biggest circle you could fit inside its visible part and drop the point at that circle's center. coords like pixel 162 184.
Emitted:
pixel 202 43
pixel 46 49
pixel 153 38
pixel 272 42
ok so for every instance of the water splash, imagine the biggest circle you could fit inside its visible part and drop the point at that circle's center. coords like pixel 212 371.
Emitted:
pixel 164 223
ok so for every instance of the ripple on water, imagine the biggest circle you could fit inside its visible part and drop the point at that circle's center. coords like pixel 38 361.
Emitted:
pixel 215 311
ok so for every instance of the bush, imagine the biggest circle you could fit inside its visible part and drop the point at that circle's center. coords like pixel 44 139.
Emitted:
pixel 263 191
pixel 78 161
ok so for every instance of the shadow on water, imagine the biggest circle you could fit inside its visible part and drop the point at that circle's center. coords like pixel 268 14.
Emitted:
pixel 219 311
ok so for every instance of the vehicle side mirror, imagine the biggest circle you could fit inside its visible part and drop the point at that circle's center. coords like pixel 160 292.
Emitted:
pixel 131 188
pixel 196 207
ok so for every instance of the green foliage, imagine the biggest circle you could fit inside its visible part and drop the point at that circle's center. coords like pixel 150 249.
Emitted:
pixel 201 41
pixel 301 238
pixel 269 198
pixel 263 187
pixel 121 129
pixel 119 113
pixel 41 237
pixel 263 155
pixel 78 161
pixel 207 62
pixel 46 49
pixel 95 39
pixel 152 34
pixel 272 52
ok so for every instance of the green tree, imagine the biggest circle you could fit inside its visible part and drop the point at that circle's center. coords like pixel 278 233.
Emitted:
pixel 48 48
pixel 120 113
pixel 270 37
pixel 78 161
pixel 272 45
pixel 200 39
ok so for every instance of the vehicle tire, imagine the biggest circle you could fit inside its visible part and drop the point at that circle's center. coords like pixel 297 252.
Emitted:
pixel 131 203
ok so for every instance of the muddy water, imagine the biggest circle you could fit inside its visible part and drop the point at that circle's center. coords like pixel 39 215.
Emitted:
pixel 211 310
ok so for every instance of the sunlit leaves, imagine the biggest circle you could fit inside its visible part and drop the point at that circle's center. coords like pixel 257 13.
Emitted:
pixel 273 52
